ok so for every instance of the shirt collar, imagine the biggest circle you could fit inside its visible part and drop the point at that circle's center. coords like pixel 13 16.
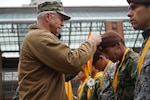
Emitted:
pixel 146 33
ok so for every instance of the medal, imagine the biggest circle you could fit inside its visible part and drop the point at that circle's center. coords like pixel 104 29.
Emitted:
pixel 90 83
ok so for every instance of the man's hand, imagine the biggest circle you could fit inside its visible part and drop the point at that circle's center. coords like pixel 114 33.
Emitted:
pixel 95 37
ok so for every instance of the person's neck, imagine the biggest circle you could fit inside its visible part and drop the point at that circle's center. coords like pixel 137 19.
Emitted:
pixel 44 26
pixel 107 60
pixel 94 73
pixel 123 49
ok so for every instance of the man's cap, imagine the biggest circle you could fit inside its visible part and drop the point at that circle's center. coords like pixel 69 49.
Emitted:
pixel 53 6
pixel 138 1
pixel 109 38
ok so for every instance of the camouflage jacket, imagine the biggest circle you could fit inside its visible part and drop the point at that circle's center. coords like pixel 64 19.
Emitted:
pixel 84 93
pixel 16 96
pixel 94 92
pixel 107 89
pixel 142 89
pixel 96 89
pixel 126 76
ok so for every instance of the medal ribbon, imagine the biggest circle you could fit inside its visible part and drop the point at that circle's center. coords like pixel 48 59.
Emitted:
pixel 88 71
pixel 81 88
pixel 99 74
pixel 101 81
pixel 89 62
pixel 68 88
pixel 141 59
pixel 115 81
pixel 85 70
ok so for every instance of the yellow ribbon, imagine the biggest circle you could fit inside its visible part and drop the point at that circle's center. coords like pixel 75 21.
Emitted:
pixel 101 81
pixel 69 92
pixel 89 65
pixel 85 70
pixel 88 94
pixel 141 59
pixel 99 74
pixel 115 81
pixel 81 87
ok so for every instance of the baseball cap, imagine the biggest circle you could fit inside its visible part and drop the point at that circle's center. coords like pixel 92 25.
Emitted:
pixel 53 6
pixel 109 38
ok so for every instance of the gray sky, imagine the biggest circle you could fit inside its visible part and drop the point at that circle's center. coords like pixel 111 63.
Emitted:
pixel 11 3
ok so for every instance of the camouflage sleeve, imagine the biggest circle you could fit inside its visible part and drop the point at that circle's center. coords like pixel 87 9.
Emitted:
pixel 98 90
pixel 143 92
pixel 16 96
pixel 132 65
pixel 95 90
pixel 84 93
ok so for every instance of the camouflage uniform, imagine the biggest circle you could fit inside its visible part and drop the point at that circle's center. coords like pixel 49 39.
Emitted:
pixel 107 89
pixel 84 93
pixel 126 76
pixel 96 89
pixel 142 89
pixel 16 96
pixel 94 92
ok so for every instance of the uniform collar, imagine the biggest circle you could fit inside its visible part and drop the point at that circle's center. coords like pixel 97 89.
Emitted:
pixel 146 33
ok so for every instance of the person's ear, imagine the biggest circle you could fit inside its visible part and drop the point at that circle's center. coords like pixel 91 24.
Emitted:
pixel 47 17
pixel 101 57
pixel 118 43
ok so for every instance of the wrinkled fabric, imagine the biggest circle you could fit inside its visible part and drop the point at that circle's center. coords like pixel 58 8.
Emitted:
pixel 16 96
pixel 142 88
pixel 107 92
pixel 44 61
pixel 83 95
pixel 96 88
pixel 94 91
pixel 126 77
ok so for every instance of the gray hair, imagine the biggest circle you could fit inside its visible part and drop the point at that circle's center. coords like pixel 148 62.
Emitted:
pixel 41 14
